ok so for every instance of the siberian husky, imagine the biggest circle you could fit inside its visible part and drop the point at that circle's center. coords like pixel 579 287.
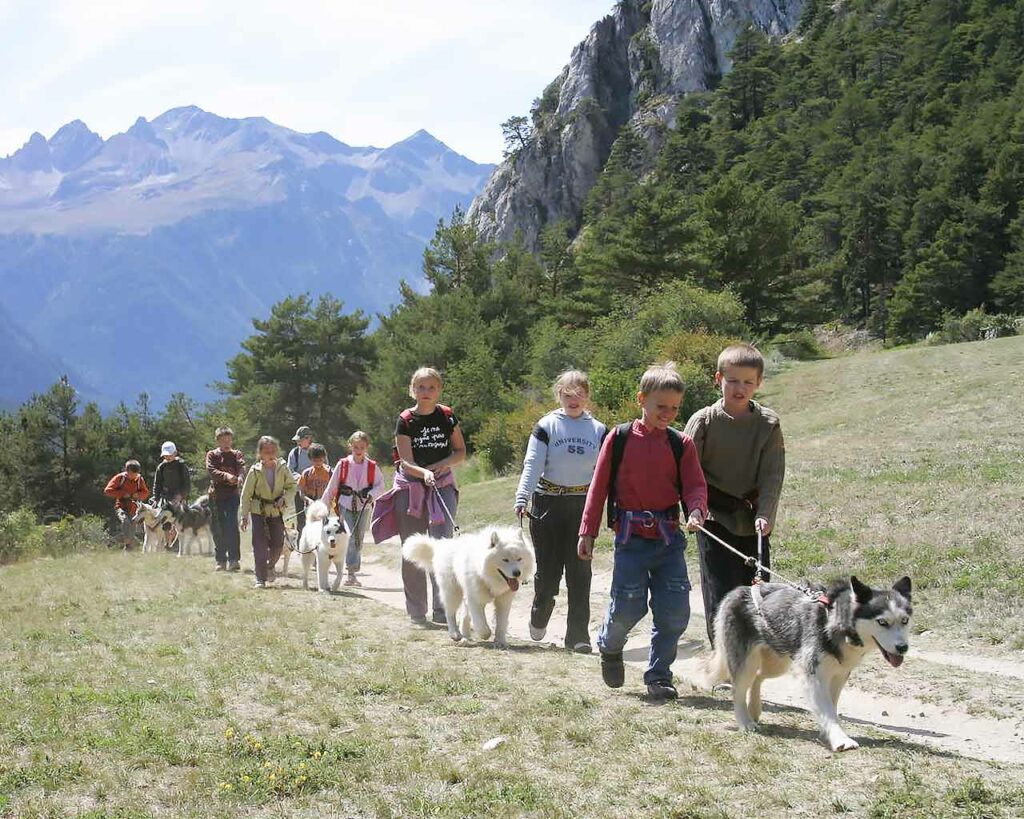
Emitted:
pixel 479 568
pixel 761 630
pixel 153 517
pixel 194 522
pixel 324 541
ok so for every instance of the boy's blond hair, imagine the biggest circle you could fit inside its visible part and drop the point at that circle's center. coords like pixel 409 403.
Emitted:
pixel 662 377
pixel 358 435
pixel 741 355
pixel 571 382
pixel 422 374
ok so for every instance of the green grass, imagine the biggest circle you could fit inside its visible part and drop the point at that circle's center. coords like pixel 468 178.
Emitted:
pixel 136 686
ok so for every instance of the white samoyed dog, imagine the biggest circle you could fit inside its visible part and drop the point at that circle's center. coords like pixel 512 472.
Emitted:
pixel 479 568
pixel 323 540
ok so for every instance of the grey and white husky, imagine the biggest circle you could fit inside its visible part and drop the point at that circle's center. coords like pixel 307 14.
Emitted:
pixel 761 630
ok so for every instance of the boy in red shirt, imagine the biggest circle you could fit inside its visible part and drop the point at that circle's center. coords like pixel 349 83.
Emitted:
pixel 657 468
pixel 127 487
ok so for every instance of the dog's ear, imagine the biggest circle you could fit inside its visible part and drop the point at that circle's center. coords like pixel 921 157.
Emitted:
pixel 902 586
pixel 495 541
pixel 861 592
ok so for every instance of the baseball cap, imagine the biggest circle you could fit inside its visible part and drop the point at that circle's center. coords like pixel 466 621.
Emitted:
pixel 168 448
pixel 302 432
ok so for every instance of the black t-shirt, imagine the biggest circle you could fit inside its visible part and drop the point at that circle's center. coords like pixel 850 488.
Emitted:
pixel 431 435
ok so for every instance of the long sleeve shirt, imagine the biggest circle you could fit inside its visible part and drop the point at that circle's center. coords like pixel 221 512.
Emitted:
pixel 648 477
pixel 743 457
pixel 222 465
pixel 122 486
pixel 561 450
pixel 172 480
pixel 258 497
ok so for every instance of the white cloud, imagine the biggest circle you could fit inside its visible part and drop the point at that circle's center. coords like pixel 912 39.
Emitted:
pixel 365 72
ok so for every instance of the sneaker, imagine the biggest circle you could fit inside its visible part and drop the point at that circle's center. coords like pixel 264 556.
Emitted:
pixel 582 648
pixel 352 580
pixel 439 616
pixel 259 584
pixel 662 690
pixel 234 567
pixel 537 633
pixel 220 567
pixel 613 672
pixel 419 619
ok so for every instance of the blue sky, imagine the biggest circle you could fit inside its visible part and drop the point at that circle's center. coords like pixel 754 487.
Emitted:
pixel 369 72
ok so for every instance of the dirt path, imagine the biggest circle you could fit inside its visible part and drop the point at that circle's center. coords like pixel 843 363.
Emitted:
pixel 942 725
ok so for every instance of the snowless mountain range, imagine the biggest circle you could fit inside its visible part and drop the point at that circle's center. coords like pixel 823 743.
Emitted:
pixel 136 263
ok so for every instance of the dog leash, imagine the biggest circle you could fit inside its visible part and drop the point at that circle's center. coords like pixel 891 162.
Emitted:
pixel 762 569
pixel 455 526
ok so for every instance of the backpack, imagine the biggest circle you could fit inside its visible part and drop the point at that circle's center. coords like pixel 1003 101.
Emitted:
pixel 371 471
pixel 407 416
pixel 620 437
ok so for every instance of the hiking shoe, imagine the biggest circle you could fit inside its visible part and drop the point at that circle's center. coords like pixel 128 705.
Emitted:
pixel 537 632
pixel 220 567
pixel 419 619
pixel 662 690
pixel 582 648
pixel 352 580
pixel 613 672
pixel 271 575
pixel 439 616
pixel 234 567
pixel 259 584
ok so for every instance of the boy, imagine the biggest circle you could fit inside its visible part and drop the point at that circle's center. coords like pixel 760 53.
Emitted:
pixel 127 487
pixel 226 468
pixel 298 462
pixel 171 483
pixel 314 479
pixel 646 474
pixel 355 483
pixel 739 443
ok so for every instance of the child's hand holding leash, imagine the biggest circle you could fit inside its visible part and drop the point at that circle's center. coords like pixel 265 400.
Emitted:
pixel 695 521
pixel 428 478
pixel 585 547
pixel 762 526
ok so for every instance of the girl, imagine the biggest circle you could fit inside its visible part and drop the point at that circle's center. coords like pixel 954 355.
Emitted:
pixel 355 483
pixel 428 443
pixel 557 471
pixel 268 483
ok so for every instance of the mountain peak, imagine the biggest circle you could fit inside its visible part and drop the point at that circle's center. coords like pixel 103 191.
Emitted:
pixel 73 145
pixel 34 155
pixel 423 140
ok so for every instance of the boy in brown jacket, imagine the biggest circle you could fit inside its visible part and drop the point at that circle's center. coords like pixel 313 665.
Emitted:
pixel 127 487
pixel 739 443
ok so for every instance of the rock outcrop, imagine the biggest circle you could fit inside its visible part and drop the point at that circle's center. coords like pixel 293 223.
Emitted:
pixel 633 67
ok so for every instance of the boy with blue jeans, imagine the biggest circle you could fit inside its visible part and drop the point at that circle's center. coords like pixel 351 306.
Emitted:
pixel 646 468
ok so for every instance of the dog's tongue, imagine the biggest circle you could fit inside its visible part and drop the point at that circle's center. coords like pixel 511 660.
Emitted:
pixel 513 583
pixel 895 660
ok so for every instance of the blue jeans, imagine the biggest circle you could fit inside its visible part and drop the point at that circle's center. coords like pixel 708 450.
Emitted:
pixel 226 548
pixel 652 566
pixel 353 555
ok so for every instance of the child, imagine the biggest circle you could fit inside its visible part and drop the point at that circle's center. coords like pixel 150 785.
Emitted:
pixel 127 487
pixel 355 483
pixel 645 468
pixel 557 471
pixel 740 446
pixel 428 443
pixel 171 483
pixel 268 485
pixel 225 465
pixel 299 460
pixel 314 479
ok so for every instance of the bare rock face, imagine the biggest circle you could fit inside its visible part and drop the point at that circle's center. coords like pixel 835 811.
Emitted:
pixel 633 67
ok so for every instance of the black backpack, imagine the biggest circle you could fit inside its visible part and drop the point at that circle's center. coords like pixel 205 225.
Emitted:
pixel 620 436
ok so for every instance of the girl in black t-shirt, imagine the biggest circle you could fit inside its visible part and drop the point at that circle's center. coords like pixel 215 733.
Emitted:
pixel 428 443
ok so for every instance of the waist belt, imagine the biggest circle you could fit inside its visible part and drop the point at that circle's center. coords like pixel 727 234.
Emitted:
pixel 648 524
pixel 730 503
pixel 548 488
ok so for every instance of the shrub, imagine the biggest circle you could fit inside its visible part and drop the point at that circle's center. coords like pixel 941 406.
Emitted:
pixel 800 345
pixel 501 442
pixel 975 325
pixel 22 537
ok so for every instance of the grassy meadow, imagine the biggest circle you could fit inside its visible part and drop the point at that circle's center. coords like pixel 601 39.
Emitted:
pixel 139 686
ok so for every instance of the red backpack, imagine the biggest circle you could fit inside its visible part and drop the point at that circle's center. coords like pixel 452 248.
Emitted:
pixel 407 416
pixel 371 471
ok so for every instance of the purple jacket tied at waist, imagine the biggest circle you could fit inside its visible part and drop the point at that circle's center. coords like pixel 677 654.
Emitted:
pixel 385 523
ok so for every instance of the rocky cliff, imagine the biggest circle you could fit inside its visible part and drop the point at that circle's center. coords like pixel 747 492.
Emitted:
pixel 633 67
